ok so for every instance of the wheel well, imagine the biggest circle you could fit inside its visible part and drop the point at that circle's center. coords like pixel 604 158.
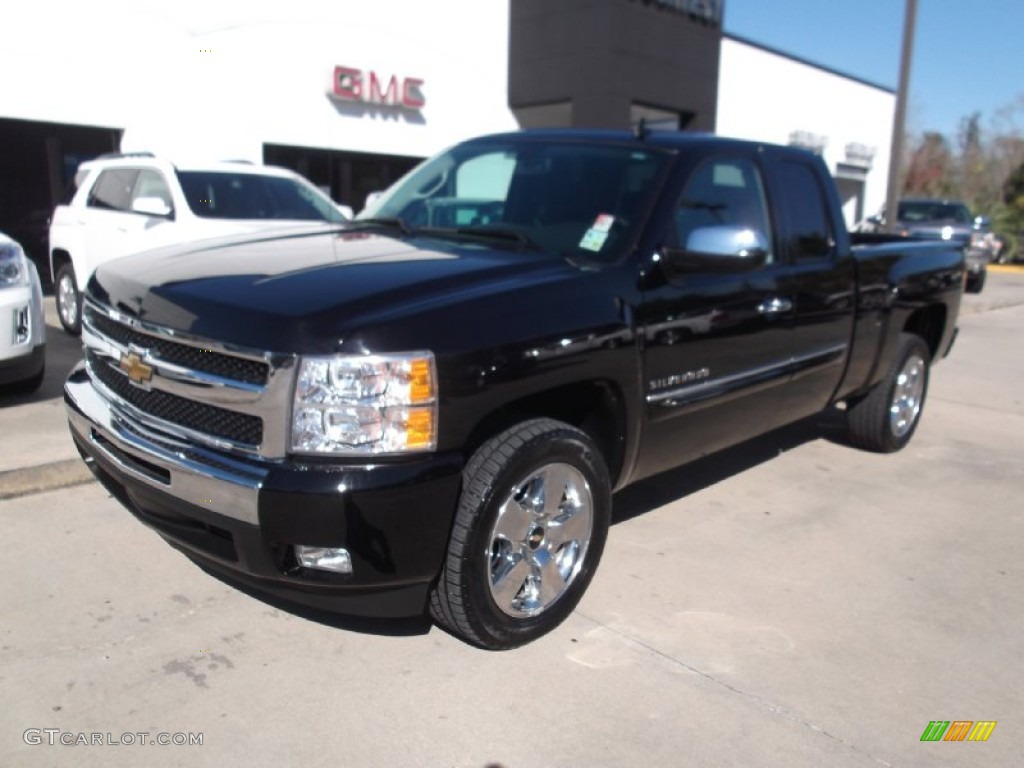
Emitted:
pixel 58 258
pixel 929 323
pixel 596 407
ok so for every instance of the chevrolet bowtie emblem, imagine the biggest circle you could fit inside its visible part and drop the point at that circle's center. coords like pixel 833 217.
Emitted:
pixel 138 372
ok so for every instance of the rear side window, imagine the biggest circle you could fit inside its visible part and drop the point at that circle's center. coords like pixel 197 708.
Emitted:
pixel 808 234
pixel 113 189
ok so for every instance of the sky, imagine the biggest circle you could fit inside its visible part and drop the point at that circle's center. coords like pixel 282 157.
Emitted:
pixel 967 57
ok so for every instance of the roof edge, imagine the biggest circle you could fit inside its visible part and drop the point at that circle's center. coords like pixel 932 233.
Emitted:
pixel 808 62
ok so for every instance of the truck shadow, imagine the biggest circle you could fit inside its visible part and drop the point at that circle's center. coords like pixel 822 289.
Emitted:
pixel 637 499
pixel 678 483
pixel 385 627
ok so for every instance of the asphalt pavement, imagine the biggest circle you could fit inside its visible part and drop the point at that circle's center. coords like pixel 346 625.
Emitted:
pixel 789 602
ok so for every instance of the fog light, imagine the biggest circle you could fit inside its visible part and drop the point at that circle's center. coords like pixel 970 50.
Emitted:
pixel 22 325
pixel 333 559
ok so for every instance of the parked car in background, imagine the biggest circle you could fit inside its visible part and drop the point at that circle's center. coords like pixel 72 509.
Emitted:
pixel 22 328
pixel 122 204
pixel 952 220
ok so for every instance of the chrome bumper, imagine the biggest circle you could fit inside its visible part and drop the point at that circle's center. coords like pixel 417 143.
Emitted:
pixel 189 473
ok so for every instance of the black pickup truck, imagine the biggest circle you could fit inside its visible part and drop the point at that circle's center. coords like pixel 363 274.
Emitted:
pixel 430 407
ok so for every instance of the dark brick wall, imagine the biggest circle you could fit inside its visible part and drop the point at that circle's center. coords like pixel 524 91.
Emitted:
pixel 604 54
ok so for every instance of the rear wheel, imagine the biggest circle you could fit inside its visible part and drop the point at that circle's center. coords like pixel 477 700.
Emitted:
pixel 529 532
pixel 69 300
pixel 884 420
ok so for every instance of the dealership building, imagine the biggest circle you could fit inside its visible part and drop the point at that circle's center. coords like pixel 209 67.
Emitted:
pixel 352 95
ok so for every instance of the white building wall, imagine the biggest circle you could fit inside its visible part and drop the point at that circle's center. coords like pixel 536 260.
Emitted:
pixel 766 96
pixel 221 78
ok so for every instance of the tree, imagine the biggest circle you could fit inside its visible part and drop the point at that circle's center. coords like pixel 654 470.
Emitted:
pixel 1013 191
pixel 929 172
pixel 984 166
pixel 1009 220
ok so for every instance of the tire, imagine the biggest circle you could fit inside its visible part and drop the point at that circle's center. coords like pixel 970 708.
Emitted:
pixel 528 535
pixel 69 300
pixel 976 284
pixel 886 418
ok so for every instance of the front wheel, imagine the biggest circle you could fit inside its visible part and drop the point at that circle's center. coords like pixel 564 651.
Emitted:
pixel 528 534
pixel 69 300
pixel 884 420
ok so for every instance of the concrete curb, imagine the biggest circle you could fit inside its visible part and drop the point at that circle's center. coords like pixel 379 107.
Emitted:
pixel 44 477
pixel 1011 268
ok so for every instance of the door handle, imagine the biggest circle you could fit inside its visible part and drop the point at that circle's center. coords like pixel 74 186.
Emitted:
pixel 774 306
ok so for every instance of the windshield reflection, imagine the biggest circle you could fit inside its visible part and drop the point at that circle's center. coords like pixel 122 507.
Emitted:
pixel 576 200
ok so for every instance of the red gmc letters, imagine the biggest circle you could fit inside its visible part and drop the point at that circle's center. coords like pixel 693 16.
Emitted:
pixel 352 84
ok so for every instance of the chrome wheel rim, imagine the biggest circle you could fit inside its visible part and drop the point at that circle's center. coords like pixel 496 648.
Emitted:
pixel 907 395
pixel 539 540
pixel 67 300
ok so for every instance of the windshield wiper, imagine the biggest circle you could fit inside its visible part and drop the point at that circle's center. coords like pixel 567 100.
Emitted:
pixel 391 222
pixel 503 234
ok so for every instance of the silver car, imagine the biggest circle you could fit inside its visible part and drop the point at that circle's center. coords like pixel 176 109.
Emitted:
pixel 22 328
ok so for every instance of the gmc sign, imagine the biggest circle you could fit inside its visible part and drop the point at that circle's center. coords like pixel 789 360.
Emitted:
pixel 367 86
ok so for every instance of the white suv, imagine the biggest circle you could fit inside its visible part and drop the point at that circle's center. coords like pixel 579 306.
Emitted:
pixel 126 203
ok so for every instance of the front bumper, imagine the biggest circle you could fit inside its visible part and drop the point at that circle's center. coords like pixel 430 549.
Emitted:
pixel 243 517
pixel 18 369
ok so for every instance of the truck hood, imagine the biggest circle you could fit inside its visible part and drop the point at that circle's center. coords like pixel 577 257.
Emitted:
pixel 306 292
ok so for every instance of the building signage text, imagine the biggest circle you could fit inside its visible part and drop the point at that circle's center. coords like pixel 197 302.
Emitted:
pixel 366 86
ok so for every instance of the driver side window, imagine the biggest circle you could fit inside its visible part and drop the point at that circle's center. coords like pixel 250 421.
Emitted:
pixel 723 191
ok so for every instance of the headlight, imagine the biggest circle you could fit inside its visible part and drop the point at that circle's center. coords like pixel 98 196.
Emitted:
pixel 13 266
pixel 365 405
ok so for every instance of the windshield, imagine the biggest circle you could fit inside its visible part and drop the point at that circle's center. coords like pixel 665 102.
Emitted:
pixel 573 199
pixel 927 210
pixel 225 195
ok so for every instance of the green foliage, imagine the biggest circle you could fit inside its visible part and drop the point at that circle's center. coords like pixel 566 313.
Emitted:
pixel 1013 190
pixel 1009 220
pixel 983 166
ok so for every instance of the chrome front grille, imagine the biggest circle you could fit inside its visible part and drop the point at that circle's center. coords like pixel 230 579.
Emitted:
pixel 188 387
pixel 227 366
pixel 219 422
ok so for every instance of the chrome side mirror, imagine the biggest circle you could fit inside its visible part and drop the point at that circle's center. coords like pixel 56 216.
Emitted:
pixel 721 248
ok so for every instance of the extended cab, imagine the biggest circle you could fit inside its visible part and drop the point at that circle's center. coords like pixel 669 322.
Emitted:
pixel 430 407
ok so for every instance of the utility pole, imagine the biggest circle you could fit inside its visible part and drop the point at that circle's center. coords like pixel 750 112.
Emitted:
pixel 900 118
